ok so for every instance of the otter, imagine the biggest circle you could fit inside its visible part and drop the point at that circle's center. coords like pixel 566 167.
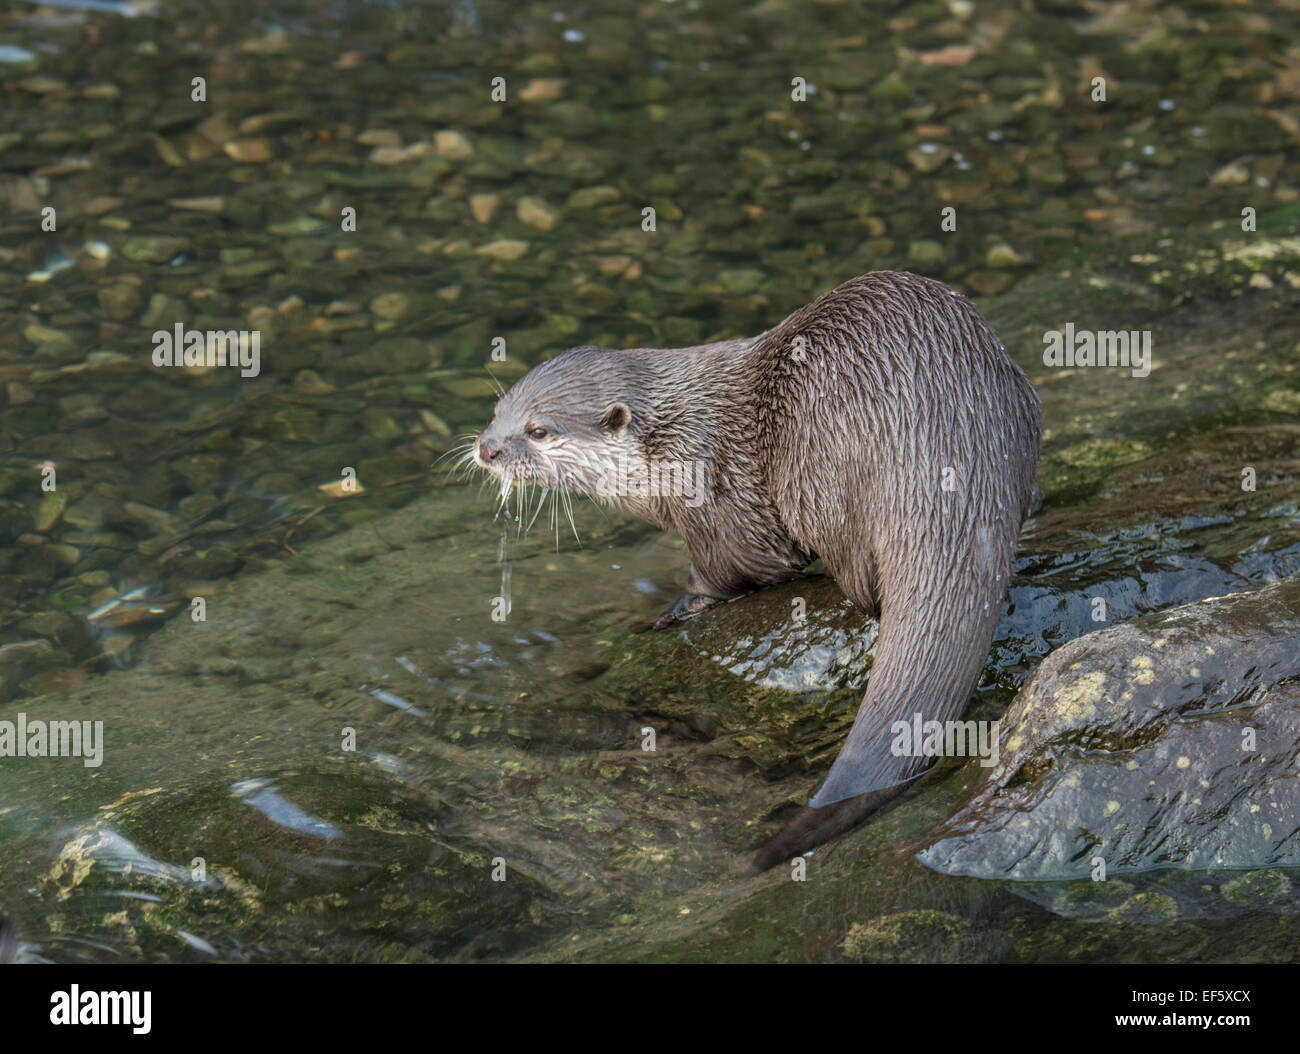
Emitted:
pixel 883 428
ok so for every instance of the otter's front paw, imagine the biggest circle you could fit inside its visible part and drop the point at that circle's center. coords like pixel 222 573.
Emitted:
pixel 688 605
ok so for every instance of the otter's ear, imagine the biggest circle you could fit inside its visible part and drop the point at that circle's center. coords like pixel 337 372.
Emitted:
pixel 615 418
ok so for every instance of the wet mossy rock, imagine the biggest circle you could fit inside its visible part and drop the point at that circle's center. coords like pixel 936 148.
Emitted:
pixel 912 936
pixel 1168 895
pixel 1168 742
pixel 770 693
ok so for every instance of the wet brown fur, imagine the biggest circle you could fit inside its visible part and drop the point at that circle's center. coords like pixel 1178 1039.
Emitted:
pixel 842 452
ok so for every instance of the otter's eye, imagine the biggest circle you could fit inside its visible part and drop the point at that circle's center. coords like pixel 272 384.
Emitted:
pixel 539 433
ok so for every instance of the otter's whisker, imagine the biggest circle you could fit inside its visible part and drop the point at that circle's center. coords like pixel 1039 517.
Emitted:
pixel 464 463
pixel 464 450
pixel 541 503
pixel 568 508
pixel 555 514
pixel 507 484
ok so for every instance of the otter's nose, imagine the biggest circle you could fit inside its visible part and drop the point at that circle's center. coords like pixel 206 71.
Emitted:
pixel 488 450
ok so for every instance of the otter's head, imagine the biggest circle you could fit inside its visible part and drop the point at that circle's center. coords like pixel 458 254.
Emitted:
pixel 564 426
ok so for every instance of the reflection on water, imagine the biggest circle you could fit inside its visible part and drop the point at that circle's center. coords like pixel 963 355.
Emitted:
pixel 259 794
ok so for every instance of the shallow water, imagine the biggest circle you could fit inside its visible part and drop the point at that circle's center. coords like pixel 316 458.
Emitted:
pixel 522 220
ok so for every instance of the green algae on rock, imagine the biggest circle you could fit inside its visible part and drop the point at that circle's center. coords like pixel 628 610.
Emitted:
pixel 1168 742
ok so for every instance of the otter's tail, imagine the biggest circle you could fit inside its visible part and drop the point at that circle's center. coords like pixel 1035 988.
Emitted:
pixel 934 640
pixel 927 663
pixel 8 939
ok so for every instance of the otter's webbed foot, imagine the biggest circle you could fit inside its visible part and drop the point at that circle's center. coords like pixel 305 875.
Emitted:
pixel 688 605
